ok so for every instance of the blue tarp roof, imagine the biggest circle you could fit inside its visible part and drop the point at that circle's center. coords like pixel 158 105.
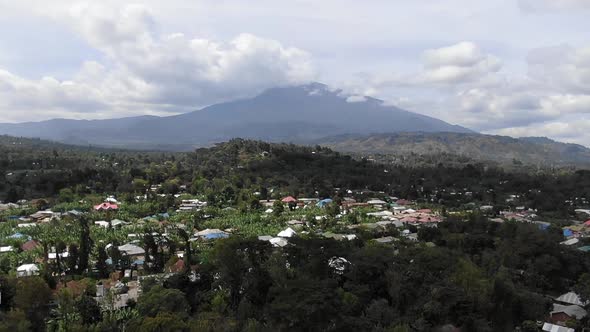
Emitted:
pixel 567 232
pixel 214 236
pixel 17 236
pixel 324 202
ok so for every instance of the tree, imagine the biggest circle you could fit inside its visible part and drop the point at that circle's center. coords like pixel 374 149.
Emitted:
pixel 101 264
pixel 582 287
pixel 66 315
pixel 278 208
pixel 255 204
pixel 333 209
pixel 164 321
pixel 72 260
pixel 12 196
pixel 66 195
pixel 161 300
pixel 85 245
pixel 14 321
pixel 32 297
pixel 89 309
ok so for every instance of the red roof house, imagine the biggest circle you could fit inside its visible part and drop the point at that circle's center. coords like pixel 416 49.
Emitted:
pixel 106 206
pixel 289 199
pixel 29 245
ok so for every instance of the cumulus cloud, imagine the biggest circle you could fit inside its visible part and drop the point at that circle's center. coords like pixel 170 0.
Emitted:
pixel 572 130
pixel 563 67
pixel 463 84
pixel 459 63
pixel 153 72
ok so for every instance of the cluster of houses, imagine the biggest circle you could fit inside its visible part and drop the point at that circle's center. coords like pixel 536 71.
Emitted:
pixel 190 205
pixel 381 215
pixel 567 308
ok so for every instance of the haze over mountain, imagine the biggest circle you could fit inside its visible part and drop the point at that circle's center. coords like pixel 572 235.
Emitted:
pixel 499 149
pixel 288 114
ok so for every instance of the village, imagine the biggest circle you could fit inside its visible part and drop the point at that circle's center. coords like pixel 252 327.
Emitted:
pixel 27 248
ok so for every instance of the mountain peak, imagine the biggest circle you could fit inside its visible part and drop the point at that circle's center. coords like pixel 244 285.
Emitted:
pixel 287 114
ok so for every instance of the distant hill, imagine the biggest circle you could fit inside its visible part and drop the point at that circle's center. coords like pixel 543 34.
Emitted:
pixel 285 114
pixel 498 149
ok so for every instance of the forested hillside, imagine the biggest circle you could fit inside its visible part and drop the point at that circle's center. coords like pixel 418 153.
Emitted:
pixel 454 148
pixel 35 169
pixel 132 241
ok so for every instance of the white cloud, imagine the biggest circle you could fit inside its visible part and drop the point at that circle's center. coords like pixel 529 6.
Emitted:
pixel 355 99
pixel 459 63
pixel 138 64
pixel 567 130
pixel 153 72
pixel 563 67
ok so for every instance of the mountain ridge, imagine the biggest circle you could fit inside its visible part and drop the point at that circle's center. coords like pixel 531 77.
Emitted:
pixel 287 114
pixel 480 147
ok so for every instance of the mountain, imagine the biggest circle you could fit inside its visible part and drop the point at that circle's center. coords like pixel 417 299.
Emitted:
pixel 471 146
pixel 287 114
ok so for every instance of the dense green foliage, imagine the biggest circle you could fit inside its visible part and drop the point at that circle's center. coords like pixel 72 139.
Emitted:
pixel 230 172
pixel 468 272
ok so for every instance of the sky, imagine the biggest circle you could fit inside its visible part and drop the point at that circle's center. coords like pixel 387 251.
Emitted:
pixel 508 67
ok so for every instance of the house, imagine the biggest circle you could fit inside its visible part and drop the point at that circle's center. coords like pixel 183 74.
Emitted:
pixel 8 206
pixel 131 250
pixel 296 222
pixel 106 206
pixel 53 255
pixel 118 222
pixel 567 232
pixel 176 267
pixel 486 208
pixel 556 328
pixel 289 232
pixel 191 205
pixel 570 242
pixel 40 215
pixel 264 237
pixel 29 245
pixel 27 270
pixel 323 202
pixel 409 220
pixel 571 298
pixel 289 199
pixel 111 199
pixel 74 213
pixel 278 242
pixel 377 203
pixel 212 234
pixel 267 202
pixel 102 223
pixel 562 313
pixel 387 239
pixel 381 214
pixel 4 249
